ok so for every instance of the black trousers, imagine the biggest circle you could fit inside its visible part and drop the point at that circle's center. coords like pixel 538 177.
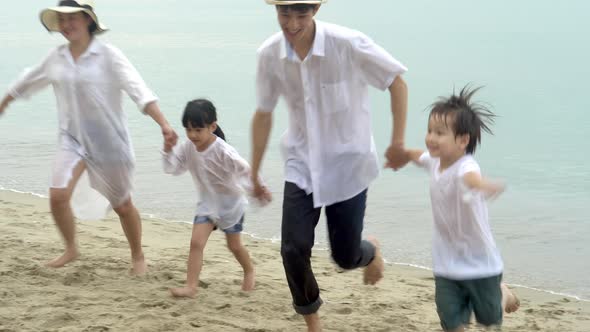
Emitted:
pixel 345 225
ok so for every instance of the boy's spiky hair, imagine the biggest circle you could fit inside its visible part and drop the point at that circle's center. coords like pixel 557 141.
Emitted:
pixel 467 117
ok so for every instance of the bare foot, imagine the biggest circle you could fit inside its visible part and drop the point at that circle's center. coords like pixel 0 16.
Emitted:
pixel 68 256
pixel 509 300
pixel 138 268
pixel 184 292
pixel 374 271
pixel 248 283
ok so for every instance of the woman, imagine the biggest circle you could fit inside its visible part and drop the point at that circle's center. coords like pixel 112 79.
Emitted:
pixel 88 78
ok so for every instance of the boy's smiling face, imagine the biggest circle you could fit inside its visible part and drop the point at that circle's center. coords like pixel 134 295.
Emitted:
pixel 441 140
pixel 297 26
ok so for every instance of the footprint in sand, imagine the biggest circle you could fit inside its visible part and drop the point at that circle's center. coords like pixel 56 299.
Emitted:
pixel 344 311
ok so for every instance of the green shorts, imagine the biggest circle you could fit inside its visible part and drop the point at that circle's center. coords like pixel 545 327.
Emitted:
pixel 457 299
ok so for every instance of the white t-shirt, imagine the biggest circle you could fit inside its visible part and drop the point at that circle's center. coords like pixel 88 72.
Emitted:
pixel 463 246
pixel 221 175
pixel 328 147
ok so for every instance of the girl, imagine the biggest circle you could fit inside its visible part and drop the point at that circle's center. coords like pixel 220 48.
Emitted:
pixel 88 78
pixel 221 176
pixel 466 262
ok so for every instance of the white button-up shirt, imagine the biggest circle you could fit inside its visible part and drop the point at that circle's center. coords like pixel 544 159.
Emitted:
pixel 89 95
pixel 328 146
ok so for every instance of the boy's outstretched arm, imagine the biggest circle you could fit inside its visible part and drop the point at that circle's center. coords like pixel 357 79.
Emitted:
pixel 475 181
pixel 5 102
pixel 411 155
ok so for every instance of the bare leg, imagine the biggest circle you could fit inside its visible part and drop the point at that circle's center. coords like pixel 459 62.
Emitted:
pixel 374 271
pixel 510 303
pixel 199 238
pixel 131 224
pixel 59 199
pixel 313 322
pixel 234 244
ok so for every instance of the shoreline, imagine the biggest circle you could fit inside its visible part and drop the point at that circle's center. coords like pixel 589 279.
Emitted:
pixel 96 294
pixel 150 216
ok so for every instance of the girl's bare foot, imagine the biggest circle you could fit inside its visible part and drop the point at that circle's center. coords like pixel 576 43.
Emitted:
pixel 184 292
pixel 509 300
pixel 248 283
pixel 68 256
pixel 374 271
pixel 138 268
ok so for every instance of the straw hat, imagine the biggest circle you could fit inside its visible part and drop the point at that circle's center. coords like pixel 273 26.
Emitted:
pixel 49 16
pixel 294 2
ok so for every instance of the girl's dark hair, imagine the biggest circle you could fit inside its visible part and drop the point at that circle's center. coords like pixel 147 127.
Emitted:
pixel 298 7
pixel 467 116
pixel 92 27
pixel 200 113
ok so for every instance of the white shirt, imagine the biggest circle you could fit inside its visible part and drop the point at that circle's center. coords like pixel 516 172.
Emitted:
pixel 328 147
pixel 463 246
pixel 220 174
pixel 89 95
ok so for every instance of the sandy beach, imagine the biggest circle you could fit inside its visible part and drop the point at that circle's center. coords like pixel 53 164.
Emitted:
pixel 95 293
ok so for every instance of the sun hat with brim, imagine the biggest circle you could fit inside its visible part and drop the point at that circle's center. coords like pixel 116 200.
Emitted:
pixel 295 2
pixel 49 16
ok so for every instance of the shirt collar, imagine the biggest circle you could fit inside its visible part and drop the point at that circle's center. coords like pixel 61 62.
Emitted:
pixel 317 49
pixel 93 48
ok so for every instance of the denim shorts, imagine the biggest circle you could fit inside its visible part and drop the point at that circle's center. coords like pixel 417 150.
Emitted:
pixel 457 299
pixel 237 228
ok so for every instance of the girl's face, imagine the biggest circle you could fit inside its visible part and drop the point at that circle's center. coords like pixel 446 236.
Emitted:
pixel 74 26
pixel 441 141
pixel 201 137
pixel 296 26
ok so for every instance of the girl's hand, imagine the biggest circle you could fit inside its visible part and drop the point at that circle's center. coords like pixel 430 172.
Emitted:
pixel 170 137
pixel 492 190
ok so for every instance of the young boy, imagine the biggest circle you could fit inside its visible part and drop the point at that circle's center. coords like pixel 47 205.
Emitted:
pixel 323 72
pixel 467 264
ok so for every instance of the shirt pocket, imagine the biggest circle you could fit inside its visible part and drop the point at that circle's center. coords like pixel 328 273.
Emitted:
pixel 335 98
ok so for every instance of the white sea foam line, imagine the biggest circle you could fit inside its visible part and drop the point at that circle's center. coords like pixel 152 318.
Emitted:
pixel 23 192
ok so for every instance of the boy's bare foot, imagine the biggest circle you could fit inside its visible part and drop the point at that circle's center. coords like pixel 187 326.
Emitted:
pixel 184 292
pixel 313 322
pixel 509 300
pixel 138 268
pixel 248 283
pixel 68 256
pixel 374 271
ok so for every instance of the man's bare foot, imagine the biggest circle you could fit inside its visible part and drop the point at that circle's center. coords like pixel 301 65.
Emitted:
pixel 313 322
pixel 184 292
pixel 248 282
pixel 510 302
pixel 374 271
pixel 68 256
pixel 138 268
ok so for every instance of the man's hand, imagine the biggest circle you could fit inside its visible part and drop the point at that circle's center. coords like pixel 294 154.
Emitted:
pixel 260 192
pixel 170 137
pixel 396 157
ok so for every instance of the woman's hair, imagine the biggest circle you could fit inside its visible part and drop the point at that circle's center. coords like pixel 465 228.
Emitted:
pixel 93 26
pixel 467 117
pixel 298 7
pixel 200 113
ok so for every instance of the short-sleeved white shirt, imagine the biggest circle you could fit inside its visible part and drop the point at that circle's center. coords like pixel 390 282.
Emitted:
pixel 328 147
pixel 463 246
pixel 221 176
pixel 89 95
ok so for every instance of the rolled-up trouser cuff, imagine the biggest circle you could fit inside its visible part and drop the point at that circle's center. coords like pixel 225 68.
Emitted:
pixel 308 309
pixel 368 250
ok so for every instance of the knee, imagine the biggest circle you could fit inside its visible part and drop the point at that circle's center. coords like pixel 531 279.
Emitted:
pixel 347 262
pixel 292 252
pixel 125 209
pixel 234 247
pixel 197 245
pixel 58 198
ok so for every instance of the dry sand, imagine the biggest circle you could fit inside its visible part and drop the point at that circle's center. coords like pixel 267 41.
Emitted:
pixel 95 293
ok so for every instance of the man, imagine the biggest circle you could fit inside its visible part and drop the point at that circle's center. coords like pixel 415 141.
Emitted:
pixel 323 72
